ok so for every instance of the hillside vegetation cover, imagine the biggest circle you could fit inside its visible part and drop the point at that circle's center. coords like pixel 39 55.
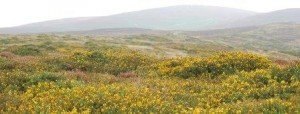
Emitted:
pixel 47 76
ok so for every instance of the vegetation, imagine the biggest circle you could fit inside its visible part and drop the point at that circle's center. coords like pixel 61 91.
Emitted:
pixel 225 63
pixel 67 74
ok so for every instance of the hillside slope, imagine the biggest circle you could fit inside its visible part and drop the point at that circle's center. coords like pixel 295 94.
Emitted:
pixel 168 18
pixel 281 16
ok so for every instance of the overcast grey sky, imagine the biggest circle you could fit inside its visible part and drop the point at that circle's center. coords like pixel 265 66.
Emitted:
pixel 18 12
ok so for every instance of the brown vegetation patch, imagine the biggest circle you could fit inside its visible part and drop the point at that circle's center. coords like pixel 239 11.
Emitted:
pixel 78 75
pixel 8 55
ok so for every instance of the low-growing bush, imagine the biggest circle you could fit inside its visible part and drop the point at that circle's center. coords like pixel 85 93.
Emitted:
pixel 48 46
pixel 17 80
pixel 112 61
pixel 13 80
pixel 44 77
pixel 225 63
pixel 128 75
pixel 259 84
pixel 259 77
pixel 78 75
pixel 6 64
pixel 287 74
pixel 126 61
pixel 55 63
pixel 26 50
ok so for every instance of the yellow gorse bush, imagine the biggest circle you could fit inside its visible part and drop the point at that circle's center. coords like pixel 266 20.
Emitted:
pixel 112 61
pixel 225 63
pixel 237 93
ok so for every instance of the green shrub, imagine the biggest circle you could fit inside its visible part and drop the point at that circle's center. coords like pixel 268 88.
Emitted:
pixel 88 61
pixel 21 80
pixel 26 50
pixel 14 80
pixel 56 63
pixel 4 41
pixel 287 74
pixel 44 77
pixel 47 46
pixel 6 64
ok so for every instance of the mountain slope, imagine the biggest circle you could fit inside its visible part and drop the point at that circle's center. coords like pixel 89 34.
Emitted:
pixel 117 32
pixel 168 18
pixel 280 16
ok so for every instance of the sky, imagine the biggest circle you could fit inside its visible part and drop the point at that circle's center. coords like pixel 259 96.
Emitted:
pixel 19 12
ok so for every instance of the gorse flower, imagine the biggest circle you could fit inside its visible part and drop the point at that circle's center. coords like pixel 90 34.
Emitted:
pixel 225 63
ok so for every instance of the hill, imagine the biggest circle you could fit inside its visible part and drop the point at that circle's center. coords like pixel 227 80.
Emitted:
pixel 184 17
pixel 281 16
pixel 168 18
pixel 117 32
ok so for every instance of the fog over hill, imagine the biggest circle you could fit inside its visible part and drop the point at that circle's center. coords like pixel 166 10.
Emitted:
pixel 280 16
pixel 185 17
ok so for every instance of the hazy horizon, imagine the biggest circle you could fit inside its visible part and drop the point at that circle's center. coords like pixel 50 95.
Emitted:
pixel 30 11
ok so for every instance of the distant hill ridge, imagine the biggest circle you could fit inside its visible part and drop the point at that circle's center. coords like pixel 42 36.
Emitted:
pixel 281 16
pixel 185 17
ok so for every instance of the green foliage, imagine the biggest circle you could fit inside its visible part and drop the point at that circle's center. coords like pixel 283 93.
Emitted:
pixel 44 77
pixel 6 64
pixel 287 74
pixel 47 46
pixel 4 41
pixel 26 50
pixel 14 81
pixel 55 64
pixel 21 80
